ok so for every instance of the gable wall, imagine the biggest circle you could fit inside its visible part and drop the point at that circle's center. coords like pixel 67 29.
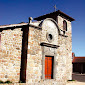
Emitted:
pixel 35 58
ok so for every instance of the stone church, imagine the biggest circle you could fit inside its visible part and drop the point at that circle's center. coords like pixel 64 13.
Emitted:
pixel 39 52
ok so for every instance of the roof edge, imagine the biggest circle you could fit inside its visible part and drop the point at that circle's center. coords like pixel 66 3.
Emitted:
pixel 13 26
pixel 57 13
pixel 72 19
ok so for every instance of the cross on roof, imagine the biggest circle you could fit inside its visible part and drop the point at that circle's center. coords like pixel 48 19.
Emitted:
pixel 55 8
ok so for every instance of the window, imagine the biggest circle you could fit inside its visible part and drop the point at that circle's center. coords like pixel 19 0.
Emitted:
pixel 49 37
pixel 49 67
pixel 64 25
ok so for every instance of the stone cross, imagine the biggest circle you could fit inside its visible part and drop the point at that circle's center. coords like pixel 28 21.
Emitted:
pixel 55 8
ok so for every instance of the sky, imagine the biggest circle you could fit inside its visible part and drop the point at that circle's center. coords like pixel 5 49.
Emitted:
pixel 16 11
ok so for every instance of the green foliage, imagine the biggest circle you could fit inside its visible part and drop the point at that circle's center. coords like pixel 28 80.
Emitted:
pixel 21 82
pixel 1 81
pixel 8 82
pixel 71 80
pixel 5 82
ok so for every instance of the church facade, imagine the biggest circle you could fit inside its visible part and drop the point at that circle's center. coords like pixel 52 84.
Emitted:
pixel 37 52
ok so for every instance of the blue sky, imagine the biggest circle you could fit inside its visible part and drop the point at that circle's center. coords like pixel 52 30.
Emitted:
pixel 16 11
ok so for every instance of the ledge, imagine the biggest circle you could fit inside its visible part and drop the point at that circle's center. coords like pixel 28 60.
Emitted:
pixel 49 45
pixel 63 35
pixel 35 26
pixel 18 26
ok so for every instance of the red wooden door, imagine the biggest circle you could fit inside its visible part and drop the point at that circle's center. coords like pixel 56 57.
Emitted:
pixel 48 67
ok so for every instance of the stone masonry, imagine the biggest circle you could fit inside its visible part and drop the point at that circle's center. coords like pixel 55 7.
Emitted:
pixel 60 46
pixel 10 55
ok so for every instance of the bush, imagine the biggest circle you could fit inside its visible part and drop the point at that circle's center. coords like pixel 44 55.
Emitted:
pixel 1 81
pixel 71 80
pixel 6 82
pixel 21 82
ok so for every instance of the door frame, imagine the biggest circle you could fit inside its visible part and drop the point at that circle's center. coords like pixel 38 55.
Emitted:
pixel 45 53
pixel 52 64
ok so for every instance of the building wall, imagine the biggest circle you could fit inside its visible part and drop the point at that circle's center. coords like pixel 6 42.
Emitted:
pixel 11 46
pixel 10 55
pixel 34 56
pixel 62 54
pixel 65 50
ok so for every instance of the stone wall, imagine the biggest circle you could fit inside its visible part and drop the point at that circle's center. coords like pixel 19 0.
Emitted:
pixel 65 50
pixel 35 61
pixel 10 55
pixel 34 56
pixel 11 46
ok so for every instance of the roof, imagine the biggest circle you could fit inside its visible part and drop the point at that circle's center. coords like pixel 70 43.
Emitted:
pixel 73 54
pixel 12 25
pixel 54 14
pixel 78 60
pixel 20 25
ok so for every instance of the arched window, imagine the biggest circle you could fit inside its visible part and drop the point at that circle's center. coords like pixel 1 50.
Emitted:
pixel 64 25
